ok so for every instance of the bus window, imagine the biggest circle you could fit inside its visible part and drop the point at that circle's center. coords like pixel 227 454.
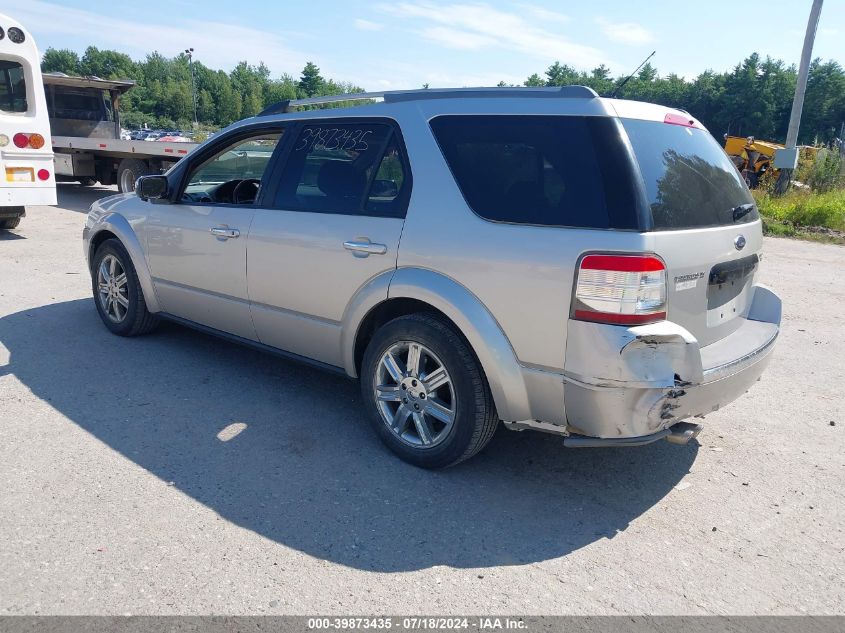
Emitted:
pixel 12 87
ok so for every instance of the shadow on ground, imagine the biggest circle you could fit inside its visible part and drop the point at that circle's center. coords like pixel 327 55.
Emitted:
pixel 307 471
pixel 75 197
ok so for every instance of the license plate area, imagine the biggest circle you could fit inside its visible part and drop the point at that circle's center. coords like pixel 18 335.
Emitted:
pixel 20 174
pixel 728 289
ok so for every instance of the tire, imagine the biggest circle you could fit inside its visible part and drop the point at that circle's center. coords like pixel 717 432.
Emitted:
pixel 9 223
pixel 467 394
pixel 136 319
pixel 128 172
pixel 87 182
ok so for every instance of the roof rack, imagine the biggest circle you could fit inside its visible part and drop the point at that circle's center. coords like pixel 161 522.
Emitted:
pixel 396 96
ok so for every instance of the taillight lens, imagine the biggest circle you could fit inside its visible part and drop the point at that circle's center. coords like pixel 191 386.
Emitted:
pixel 43 174
pixel 36 141
pixel 20 140
pixel 620 289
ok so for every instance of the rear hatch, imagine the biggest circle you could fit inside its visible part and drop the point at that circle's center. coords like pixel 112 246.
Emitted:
pixel 705 225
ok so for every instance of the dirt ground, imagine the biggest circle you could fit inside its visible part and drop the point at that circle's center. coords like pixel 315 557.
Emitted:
pixel 122 490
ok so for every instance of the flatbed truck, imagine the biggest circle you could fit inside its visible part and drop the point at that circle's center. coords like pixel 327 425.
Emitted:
pixel 85 129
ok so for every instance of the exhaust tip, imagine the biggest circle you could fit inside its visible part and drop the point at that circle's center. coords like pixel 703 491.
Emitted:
pixel 683 433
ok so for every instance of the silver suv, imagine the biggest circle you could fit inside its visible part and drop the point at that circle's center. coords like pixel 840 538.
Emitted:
pixel 541 257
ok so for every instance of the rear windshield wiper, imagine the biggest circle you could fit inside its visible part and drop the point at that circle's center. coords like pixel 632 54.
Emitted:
pixel 742 210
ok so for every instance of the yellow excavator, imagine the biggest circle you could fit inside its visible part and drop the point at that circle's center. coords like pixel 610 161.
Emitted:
pixel 752 158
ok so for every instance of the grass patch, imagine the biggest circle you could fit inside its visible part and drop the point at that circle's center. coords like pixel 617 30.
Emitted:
pixel 804 208
pixel 819 217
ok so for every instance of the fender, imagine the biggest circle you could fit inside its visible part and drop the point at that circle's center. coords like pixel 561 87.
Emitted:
pixel 374 292
pixel 122 229
pixel 485 336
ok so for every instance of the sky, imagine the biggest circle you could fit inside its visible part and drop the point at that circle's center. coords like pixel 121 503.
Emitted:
pixel 383 45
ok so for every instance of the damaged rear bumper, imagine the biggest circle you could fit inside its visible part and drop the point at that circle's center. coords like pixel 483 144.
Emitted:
pixel 635 383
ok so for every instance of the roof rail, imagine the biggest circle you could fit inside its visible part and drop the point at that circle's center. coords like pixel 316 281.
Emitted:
pixel 396 96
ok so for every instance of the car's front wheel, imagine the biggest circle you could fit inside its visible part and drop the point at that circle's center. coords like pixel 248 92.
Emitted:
pixel 425 392
pixel 117 291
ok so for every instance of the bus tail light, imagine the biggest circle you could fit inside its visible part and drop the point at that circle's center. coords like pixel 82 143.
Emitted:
pixel 43 174
pixel 620 289
pixel 23 140
pixel 36 141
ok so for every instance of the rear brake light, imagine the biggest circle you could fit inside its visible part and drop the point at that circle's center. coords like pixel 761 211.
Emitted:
pixel 620 289
pixel 43 174
pixel 20 140
pixel 677 119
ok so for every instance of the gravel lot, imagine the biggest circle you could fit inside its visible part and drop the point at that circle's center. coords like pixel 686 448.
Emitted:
pixel 119 494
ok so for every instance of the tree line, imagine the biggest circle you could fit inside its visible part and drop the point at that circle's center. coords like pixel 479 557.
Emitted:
pixel 753 98
pixel 163 96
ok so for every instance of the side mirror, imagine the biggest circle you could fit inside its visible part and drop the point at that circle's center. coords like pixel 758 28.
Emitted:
pixel 151 187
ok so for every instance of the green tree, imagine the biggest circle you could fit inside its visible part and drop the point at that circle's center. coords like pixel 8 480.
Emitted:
pixel 60 61
pixel 106 64
pixel 311 82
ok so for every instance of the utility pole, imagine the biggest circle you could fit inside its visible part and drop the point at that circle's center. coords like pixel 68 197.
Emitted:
pixel 800 89
pixel 190 53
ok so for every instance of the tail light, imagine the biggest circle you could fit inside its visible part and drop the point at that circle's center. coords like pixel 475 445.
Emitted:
pixel 22 140
pixel 36 141
pixel 620 289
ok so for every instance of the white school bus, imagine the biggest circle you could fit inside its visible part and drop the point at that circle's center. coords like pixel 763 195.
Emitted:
pixel 26 155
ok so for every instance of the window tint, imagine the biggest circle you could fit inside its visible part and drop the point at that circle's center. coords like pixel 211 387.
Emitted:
pixel 12 87
pixel 689 180
pixel 332 168
pixel 234 174
pixel 85 105
pixel 384 196
pixel 545 170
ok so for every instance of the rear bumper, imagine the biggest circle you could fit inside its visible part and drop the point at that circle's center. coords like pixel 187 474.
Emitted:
pixel 27 195
pixel 635 383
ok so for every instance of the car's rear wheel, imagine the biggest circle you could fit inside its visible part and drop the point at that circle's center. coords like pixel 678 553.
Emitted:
pixel 425 392
pixel 117 292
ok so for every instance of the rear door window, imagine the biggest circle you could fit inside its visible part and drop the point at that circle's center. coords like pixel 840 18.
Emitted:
pixel 540 170
pixel 689 180
pixel 12 87
pixel 347 168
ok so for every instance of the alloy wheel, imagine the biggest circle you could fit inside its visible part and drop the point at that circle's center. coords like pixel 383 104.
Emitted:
pixel 414 394
pixel 112 289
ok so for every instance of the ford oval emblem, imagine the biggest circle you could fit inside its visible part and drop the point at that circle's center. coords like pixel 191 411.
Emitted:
pixel 739 242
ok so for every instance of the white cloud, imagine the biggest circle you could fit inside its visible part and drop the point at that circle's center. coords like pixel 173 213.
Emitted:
pixel 455 38
pixel 367 25
pixel 480 26
pixel 625 32
pixel 217 44
pixel 545 15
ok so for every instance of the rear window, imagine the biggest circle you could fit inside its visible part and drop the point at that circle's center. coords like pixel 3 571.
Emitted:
pixel 689 180
pixel 541 170
pixel 12 87
pixel 85 105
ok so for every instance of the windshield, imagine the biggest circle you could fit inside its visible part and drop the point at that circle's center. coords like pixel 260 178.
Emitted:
pixel 12 87
pixel 689 180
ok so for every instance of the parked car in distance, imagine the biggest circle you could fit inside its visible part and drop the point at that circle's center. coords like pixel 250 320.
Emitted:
pixel 543 258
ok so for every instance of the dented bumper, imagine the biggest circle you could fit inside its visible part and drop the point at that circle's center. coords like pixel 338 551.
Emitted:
pixel 638 381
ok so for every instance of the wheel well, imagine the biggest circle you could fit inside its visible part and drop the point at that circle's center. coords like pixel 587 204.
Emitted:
pixel 387 311
pixel 98 239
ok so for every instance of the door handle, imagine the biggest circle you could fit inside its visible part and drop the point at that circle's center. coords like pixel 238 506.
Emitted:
pixel 363 248
pixel 224 232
